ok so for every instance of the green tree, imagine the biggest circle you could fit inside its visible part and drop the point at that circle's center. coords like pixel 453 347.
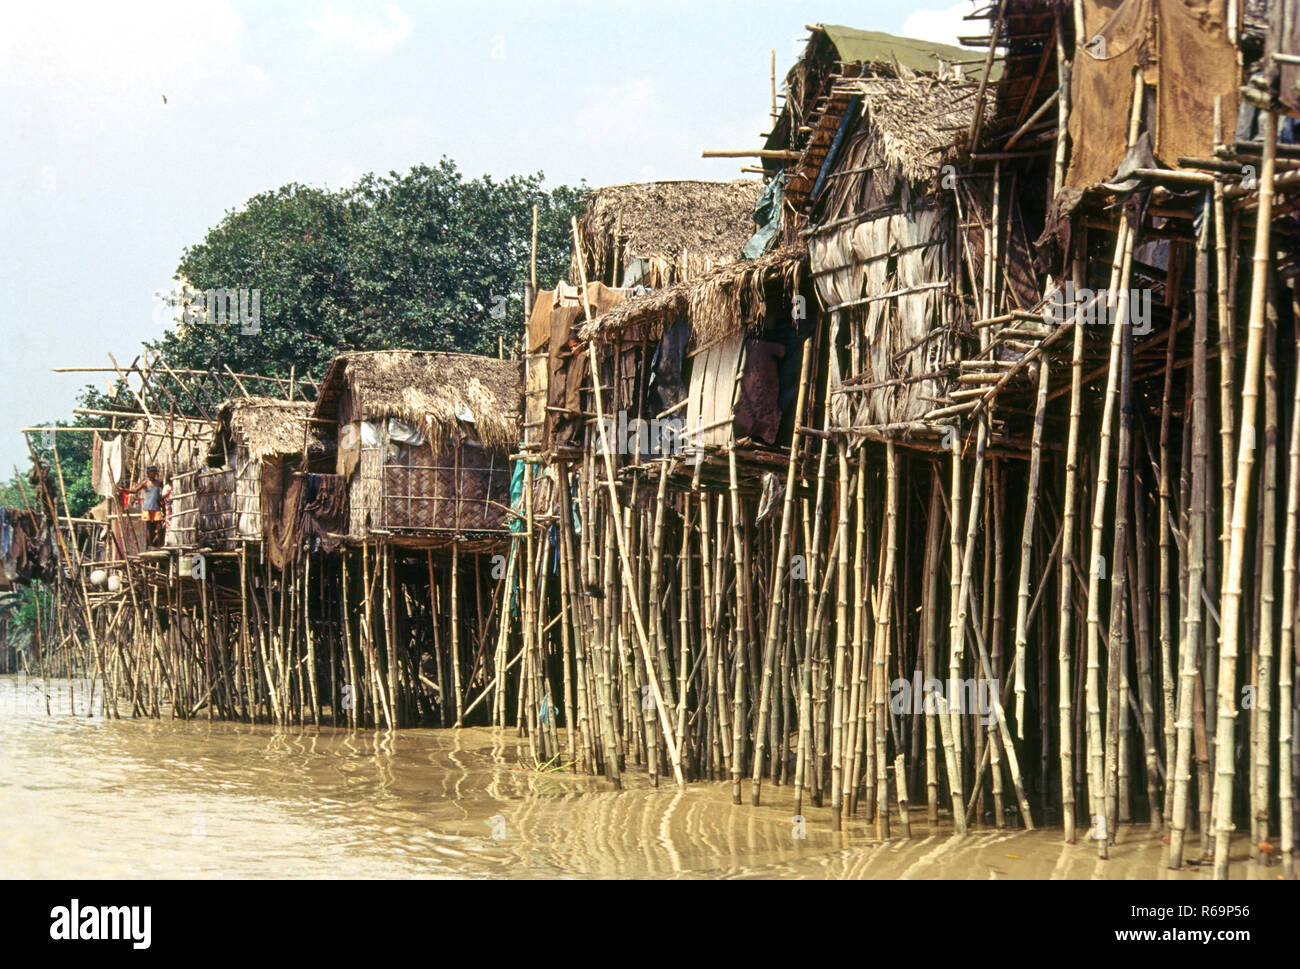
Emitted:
pixel 425 260
pixel 19 607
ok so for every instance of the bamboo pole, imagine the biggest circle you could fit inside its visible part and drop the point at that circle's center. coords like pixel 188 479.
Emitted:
pixel 805 757
pixel 778 579
pixel 1261 714
pixel 1116 760
pixel 742 631
pixel 674 751
pixel 453 646
pixel 861 716
pixel 930 639
pixel 310 642
pixel 1118 304
pixel 838 684
pixel 1193 627
pixel 656 603
pixel 956 635
pixel 1140 597
pixel 1027 545
pixel 569 580
pixel 1168 681
pixel 884 620
pixel 965 612
pixel 1068 567
pixel 1286 646
pixel 1229 626
pixel 1226 345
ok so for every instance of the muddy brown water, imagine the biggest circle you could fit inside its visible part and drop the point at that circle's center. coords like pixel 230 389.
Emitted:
pixel 89 797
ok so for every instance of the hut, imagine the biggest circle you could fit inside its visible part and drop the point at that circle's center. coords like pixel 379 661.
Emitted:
pixel 170 443
pixel 807 130
pixel 423 442
pixel 237 497
pixel 697 368
pixel 884 249
pixel 695 365
pixel 631 238
pixel 875 127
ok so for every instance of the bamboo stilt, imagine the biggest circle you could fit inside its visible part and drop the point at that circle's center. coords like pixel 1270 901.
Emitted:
pixel 1223 784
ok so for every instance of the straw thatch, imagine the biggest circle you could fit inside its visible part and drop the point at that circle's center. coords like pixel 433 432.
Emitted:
pixel 919 122
pixel 682 229
pixel 653 310
pixel 819 93
pixel 735 296
pixel 267 427
pixel 729 298
pixel 430 391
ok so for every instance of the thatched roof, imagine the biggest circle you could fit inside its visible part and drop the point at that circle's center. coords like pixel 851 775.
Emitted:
pixel 267 426
pixel 683 229
pixel 920 122
pixel 430 391
pixel 912 89
pixel 657 309
pixel 729 298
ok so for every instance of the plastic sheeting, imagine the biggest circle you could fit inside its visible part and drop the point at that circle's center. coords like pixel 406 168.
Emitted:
pixel 666 383
pixel 767 213
pixel 517 523
pixel 389 434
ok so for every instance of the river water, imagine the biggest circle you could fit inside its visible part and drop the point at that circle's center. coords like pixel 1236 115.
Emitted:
pixel 88 797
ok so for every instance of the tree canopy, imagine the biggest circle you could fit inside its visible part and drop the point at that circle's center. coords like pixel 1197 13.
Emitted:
pixel 427 260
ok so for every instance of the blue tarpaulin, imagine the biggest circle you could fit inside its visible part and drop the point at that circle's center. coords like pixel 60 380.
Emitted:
pixel 767 213
pixel 828 164
pixel 517 497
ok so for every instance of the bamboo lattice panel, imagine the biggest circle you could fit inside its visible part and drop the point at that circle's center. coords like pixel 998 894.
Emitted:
pixel 461 488
pixel 182 526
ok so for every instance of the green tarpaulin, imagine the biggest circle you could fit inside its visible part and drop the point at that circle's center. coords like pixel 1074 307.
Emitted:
pixel 871 46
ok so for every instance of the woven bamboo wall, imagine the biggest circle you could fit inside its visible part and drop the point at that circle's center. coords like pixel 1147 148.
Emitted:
pixel 230 504
pixel 460 488
pixel 364 491
pixel 182 526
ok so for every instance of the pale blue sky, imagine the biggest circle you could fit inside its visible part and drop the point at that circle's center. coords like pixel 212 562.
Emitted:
pixel 102 184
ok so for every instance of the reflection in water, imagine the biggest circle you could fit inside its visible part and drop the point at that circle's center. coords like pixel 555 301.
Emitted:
pixel 84 797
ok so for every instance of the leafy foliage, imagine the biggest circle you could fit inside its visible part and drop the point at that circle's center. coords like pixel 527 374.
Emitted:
pixel 21 609
pixel 427 260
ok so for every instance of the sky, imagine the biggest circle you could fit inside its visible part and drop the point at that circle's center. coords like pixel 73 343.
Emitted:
pixel 131 128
